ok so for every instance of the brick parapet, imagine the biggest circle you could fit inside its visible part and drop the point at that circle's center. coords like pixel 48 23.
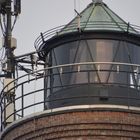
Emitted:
pixel 78 125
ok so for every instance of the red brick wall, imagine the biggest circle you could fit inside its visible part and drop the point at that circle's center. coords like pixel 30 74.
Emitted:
pixel 84 125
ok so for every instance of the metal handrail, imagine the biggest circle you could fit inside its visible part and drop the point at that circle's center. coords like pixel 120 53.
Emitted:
pixel 59 67
pixel 96 25
pixel 67 65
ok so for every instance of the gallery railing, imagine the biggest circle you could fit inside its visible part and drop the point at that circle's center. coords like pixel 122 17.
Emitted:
pixel 29 89
pixel 84 26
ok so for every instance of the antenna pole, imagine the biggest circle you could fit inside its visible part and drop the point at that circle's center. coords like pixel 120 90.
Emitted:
pixel 6 10
pixel 8 37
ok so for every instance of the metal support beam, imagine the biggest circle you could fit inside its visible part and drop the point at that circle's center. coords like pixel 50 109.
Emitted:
pixel 10 56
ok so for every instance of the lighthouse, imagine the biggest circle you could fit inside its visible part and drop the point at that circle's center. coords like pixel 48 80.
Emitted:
pixel 95 53
pixel 91 81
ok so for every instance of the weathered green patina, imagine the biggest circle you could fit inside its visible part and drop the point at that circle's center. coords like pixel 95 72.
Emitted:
pixel 97 17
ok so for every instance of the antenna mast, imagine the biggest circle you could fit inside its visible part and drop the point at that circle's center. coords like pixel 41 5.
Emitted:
pixel 6 12
pixel 9 9
pixel 9 53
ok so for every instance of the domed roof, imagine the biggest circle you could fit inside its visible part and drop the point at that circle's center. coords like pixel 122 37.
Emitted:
pixel 97 16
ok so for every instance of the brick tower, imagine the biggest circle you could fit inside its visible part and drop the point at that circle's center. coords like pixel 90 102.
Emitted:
pixel 91 82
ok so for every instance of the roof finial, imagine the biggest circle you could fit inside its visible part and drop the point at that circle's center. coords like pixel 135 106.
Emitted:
pixel 97 1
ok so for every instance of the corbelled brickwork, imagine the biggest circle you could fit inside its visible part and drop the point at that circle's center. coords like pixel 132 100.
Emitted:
pixel 78 125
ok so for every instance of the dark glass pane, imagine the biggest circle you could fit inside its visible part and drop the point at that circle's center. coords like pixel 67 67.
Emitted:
pixel 95 50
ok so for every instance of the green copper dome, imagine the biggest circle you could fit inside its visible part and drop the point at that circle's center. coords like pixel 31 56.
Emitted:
pixel 97 17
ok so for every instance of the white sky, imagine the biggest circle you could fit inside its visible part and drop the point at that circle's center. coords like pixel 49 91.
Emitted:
pixel 41 15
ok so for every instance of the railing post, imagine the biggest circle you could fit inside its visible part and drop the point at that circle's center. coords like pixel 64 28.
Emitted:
pixel 22 100
pixel 4 115
pixel 1 114
pixel 88 77
pixel 42 37
pixel 128 98
pixel 128 26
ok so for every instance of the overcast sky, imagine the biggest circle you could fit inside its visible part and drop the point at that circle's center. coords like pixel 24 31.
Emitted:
pixel 41 15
